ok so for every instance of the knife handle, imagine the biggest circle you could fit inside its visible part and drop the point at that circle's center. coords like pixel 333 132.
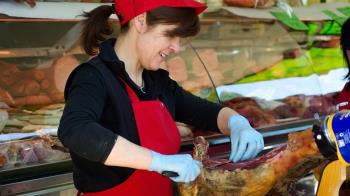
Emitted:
pixel 170 174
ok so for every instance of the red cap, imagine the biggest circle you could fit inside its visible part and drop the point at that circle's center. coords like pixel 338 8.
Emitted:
pixel 128 9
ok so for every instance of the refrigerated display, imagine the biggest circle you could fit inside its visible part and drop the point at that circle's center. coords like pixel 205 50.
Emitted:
pixel 275 76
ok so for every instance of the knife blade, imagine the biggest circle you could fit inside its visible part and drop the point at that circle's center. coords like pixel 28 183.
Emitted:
pixel 170 174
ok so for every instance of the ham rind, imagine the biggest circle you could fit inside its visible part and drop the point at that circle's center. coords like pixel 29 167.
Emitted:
pixel 270 174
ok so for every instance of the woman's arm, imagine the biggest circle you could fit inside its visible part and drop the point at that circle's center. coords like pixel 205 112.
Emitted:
pixel 194 110
pixel 223 117
pixel 127 154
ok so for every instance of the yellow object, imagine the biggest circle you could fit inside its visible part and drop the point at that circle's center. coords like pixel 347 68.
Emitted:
pixel 332 178
pixel 331 132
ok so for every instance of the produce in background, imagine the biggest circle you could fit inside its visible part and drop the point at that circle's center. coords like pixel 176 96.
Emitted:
pixel 314 60
pixel 270 174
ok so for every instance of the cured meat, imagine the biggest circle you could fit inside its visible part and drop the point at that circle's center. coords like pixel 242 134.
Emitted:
pixel 33 100
pixel 177 69
pixel 250 3
pixel 22 152
pixel 210 60
pixel 3 118
pixel 7 74
pixel 20 87
pixel 204 81
pixel 306 106
pixel 250 109
pixel 59 72
pixel 270 174
pixel 6 97
pixel 24 88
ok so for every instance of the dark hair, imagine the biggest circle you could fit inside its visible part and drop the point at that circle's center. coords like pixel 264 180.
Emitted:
pixel 96 26
pixel 345 43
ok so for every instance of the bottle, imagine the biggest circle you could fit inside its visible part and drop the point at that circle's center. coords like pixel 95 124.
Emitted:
pixel 332 135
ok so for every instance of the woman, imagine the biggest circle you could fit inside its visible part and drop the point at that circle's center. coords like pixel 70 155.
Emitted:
pixel 343 100
pixel 118 122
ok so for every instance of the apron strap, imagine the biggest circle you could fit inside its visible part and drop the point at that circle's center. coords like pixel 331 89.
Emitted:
pixel 132 95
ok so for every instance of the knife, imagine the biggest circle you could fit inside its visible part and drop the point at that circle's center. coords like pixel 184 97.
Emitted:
pixel 169 174
pixel 214 165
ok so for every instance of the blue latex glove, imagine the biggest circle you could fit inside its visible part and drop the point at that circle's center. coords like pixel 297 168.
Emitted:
pixel 183 164
pixel 246 142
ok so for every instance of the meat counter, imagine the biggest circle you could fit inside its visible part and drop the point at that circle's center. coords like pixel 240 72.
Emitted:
pixel 257 67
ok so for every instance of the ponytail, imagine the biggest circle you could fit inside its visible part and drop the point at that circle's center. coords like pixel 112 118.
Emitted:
pixel 95 28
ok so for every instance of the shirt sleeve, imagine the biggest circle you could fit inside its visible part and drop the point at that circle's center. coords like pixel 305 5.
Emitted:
pixel 194 110
pixel 79 129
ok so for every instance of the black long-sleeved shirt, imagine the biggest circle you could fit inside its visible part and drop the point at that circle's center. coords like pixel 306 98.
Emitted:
pixel 98 110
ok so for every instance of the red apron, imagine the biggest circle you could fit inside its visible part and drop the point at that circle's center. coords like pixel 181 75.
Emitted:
pixel 157 131
pixel 344 96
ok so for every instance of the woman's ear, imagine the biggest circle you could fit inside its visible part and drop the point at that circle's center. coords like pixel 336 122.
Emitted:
pixel 140 23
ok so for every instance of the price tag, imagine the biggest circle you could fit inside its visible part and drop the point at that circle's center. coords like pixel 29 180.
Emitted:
pixel 292 22
pixel 344 10
pixel 335 17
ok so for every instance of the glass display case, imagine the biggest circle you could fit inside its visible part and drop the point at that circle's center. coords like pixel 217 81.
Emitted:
pixel 271 74
pixel 277 77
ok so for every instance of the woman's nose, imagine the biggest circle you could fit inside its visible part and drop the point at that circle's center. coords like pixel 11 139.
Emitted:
pixel 175 44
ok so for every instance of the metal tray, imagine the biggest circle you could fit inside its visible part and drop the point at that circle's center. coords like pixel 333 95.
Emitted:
pixel 36 170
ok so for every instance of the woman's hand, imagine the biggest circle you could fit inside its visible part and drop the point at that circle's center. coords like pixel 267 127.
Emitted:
pixel 246 142
pixel 183 164
pixel 128 154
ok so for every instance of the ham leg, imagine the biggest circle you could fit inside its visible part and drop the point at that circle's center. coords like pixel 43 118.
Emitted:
pixel 270 174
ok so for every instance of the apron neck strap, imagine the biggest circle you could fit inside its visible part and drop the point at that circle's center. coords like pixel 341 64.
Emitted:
pixel 133 97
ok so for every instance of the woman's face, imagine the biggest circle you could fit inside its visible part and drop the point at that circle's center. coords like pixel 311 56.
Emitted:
pixel 153 46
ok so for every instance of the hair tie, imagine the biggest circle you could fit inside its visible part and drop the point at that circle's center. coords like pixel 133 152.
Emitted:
pixel 113 8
